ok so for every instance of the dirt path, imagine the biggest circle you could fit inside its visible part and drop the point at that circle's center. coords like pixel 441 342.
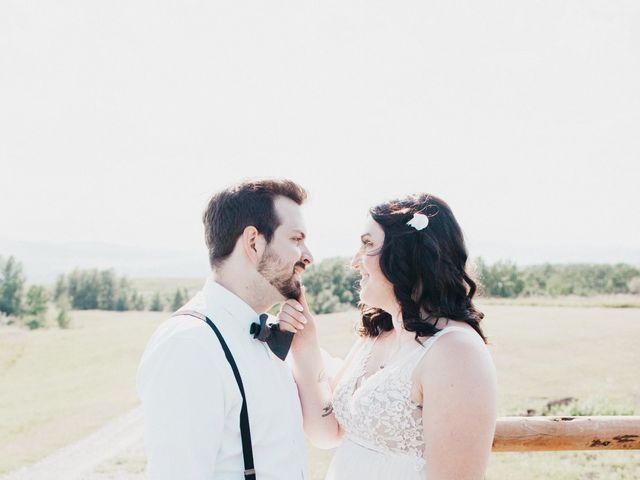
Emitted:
pixel 114 451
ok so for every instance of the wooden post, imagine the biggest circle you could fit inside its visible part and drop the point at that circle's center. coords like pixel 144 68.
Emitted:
pixel 522 434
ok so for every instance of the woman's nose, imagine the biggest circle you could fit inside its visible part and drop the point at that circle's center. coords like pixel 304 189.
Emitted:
pixel 355 261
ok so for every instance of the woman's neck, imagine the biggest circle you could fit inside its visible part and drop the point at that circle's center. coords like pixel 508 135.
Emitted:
pixel 399 336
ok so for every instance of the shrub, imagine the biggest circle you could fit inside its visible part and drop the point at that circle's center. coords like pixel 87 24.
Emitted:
pixel 156 303
pixel 36 307
pixel 63 319
pixel 331 285
pixel 11 286
pixel 179 299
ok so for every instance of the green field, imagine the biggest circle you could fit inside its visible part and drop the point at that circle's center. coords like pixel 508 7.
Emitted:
pixel 59 385
pixel 621 300
pixel 166 287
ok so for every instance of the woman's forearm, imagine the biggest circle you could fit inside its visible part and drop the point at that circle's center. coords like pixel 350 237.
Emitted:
pixel 316 396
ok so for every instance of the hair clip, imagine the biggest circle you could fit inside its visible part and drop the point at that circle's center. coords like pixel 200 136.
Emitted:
pixel 419 221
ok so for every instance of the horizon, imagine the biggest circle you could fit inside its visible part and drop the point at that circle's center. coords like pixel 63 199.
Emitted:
pixel 44 262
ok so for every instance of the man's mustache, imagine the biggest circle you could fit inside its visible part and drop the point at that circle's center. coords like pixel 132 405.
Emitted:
pixel 302 265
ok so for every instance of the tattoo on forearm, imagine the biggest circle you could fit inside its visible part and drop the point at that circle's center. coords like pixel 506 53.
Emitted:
pixel 327 409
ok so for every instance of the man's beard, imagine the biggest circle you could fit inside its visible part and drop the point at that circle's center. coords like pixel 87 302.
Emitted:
pixel 278 274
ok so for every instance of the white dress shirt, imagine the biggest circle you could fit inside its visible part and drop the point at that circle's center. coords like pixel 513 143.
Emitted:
pixel 191 400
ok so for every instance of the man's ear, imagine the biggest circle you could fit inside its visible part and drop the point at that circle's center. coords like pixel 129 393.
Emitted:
pixel 253 244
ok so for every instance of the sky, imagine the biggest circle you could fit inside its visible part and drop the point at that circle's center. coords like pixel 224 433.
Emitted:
pixel 119 119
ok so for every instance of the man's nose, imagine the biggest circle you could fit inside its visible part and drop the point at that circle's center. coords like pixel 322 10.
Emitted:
pixel 306 258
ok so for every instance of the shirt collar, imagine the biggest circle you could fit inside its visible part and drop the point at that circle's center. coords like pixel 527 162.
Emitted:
pixel 221 303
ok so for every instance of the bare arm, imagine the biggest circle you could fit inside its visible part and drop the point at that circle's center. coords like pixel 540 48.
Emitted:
pixel 315 388
pixel 459 414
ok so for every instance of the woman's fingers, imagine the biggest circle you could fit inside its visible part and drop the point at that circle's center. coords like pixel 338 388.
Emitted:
pixel 302 301
pixel 292 317
pixel 294 304
pixel 285 325
pixel 294 309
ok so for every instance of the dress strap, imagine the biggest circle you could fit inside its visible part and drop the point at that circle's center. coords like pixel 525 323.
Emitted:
pixel 431 340
pixel 454 328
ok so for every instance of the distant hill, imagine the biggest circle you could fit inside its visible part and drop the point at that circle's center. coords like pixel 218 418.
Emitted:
pixel 538 253
pixel 43 262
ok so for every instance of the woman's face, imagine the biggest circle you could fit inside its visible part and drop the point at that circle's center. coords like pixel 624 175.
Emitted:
pixel 375 290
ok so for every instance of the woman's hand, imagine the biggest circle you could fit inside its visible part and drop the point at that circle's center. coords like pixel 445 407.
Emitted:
pixel 295 316
pixel 291 317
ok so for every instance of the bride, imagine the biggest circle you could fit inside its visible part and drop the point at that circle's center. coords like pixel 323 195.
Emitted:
pixel 416 396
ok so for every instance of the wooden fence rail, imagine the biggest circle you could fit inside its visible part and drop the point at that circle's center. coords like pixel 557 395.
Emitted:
pixel 536 434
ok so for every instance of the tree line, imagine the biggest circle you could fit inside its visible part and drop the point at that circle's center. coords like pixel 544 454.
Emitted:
pixel 505 279
pixel 87 289
pixel 95 289
pixel 331 286
pixel 31 305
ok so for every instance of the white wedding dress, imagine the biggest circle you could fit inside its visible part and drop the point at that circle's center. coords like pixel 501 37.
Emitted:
pixel 383 426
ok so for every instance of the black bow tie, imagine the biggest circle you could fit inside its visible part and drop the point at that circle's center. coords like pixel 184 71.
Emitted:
pixel 279 341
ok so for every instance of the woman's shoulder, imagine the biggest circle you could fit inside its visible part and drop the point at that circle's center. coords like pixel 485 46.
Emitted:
pixel 454 332
pixel 456 345
pixel 456 364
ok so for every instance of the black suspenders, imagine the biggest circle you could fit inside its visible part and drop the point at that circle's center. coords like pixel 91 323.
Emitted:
pixel 247 450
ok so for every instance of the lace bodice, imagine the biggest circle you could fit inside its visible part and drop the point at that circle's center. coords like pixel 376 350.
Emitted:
pixel 378 412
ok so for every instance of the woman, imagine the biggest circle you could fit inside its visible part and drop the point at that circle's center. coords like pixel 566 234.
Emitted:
pixel 416 395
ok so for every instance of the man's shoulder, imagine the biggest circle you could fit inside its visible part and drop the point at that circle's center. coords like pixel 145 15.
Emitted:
pixel 179 327
pixel 180 324
pixel 183 342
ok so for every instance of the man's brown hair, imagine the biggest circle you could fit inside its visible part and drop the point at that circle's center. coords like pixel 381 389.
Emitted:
pixel 249 203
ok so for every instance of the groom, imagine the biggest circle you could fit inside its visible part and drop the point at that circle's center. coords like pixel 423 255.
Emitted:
pixel 191 393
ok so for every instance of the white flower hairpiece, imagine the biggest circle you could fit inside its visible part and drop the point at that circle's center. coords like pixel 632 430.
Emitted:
pixel 419 221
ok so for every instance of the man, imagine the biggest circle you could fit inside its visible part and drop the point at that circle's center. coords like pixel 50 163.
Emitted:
pixel 191 398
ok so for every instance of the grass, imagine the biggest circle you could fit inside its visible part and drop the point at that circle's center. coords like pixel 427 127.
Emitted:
pixel 598 301
pixel 166 287
pixel 60 385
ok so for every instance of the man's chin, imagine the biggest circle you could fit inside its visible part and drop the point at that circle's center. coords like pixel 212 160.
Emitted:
pixel 291 288
pixel 292 292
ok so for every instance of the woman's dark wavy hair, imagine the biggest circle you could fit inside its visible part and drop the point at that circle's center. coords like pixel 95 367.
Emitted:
pixel 426 267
